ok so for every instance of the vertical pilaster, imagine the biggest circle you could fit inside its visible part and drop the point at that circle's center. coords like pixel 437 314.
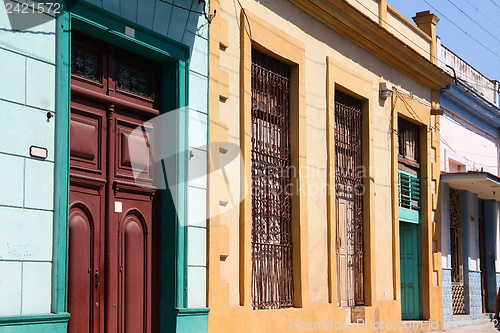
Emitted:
pixel 382 13
pixel 427 21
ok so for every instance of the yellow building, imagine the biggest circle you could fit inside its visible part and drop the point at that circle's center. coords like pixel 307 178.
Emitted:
pixel 334 105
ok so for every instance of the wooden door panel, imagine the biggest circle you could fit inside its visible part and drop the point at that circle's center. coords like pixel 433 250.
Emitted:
pixel 81 236
pixel 410 294
pixel 341 252
pixel 132 150
pixel 349 230
pixel 345 252
pixel 87 142
pixel 409 268
pixel 84 229
pixel 133 276
pixel 135 260
pixel 350 279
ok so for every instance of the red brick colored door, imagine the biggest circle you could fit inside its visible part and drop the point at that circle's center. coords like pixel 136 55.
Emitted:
pixel 113 220
pixel 84 259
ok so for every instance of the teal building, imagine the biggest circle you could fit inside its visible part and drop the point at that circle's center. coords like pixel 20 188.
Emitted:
pixel 62 187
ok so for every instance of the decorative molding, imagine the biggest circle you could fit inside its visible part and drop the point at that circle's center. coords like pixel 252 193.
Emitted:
pixel 473 103
pixel 192 312
pixel 345 19
pixel 51 318
pixel 408 23
pixel 113 101
pixel 87 182
pixel 132 188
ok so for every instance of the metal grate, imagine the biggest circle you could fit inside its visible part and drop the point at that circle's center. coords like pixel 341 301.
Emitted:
pixel 349 193
pixel 458 298
pixel 457 267
pixel 272 278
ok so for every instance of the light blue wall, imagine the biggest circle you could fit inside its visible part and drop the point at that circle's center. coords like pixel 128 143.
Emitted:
pixel 27 93
pixel 191 29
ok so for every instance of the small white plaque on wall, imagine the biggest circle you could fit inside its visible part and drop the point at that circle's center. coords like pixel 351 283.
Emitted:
pixel 39 152
pixel 118 207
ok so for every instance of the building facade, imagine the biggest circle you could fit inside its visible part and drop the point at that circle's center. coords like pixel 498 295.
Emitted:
pixel 469 197
pixel 338 221
pixel 95 237
pixel 29 212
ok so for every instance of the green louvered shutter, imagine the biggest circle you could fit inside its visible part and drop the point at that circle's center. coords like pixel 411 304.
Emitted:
pixel 409 197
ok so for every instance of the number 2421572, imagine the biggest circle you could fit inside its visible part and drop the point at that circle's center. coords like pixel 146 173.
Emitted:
pixel 25 8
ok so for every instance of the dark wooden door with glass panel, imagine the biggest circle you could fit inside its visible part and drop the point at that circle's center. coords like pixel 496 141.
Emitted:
pixel 113 224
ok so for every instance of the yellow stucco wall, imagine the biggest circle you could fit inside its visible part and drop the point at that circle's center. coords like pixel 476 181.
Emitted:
pixel 322 60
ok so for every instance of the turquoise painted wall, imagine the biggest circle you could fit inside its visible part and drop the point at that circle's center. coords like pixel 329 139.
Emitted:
pixel 27 94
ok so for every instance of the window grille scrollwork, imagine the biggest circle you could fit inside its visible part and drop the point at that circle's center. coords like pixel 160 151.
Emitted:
pixel 134 79
pixel 85 63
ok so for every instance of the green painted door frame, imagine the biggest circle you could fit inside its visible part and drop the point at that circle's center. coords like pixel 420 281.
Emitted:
pixel 411 298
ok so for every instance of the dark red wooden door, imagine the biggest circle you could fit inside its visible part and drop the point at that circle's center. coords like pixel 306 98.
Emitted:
pixel 84 259
pixel 112 218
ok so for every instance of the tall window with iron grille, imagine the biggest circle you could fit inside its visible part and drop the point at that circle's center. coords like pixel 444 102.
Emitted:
pixel 349 192
pixel 272 276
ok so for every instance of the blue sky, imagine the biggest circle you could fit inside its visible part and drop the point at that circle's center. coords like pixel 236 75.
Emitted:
pixel 486 13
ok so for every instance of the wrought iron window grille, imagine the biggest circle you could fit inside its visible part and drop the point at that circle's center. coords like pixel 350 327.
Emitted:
pixel 272 262
pixel 348 180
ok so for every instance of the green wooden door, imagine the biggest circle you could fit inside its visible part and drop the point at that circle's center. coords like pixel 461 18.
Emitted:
pixel 409 234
